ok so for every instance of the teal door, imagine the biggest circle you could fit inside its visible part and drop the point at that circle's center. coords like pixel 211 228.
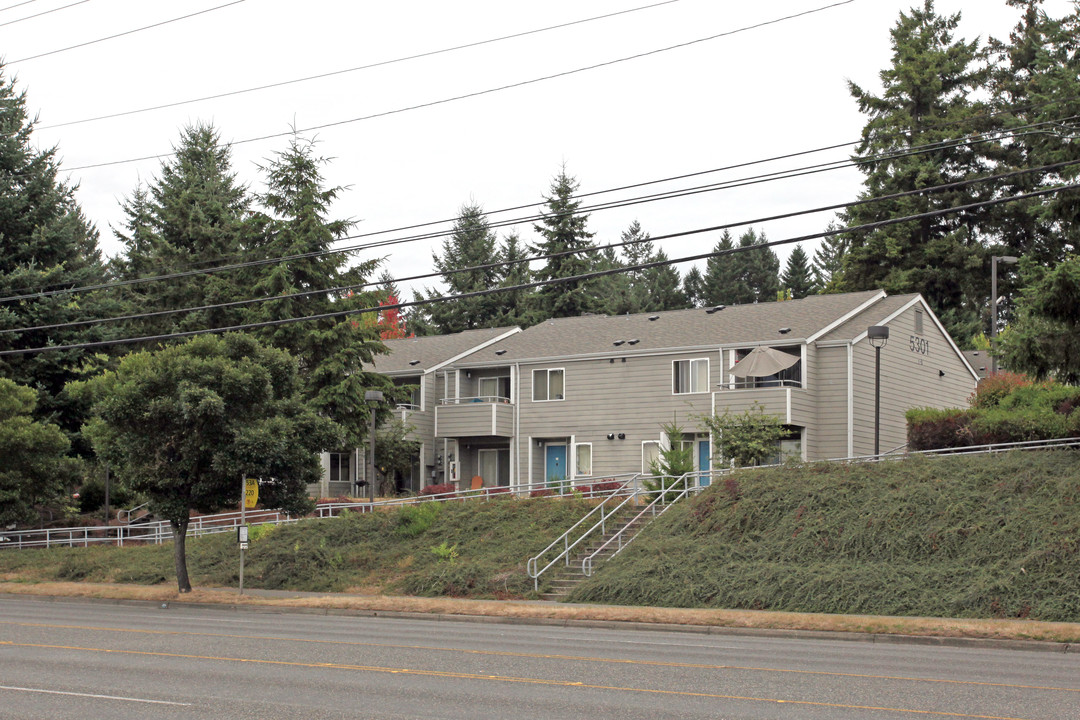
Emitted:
pixel 703 458
pixel 556 465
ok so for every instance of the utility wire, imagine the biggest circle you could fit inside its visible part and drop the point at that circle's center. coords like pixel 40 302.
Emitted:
pixel 369 66
pixel 823 167
pixel 126 32
pixel 480 93
pixel 503 264
pixel 12 7
pixel 543 283
pixel 28 17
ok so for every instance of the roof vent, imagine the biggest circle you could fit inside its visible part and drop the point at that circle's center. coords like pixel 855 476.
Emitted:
pixel 617 343
pixel 414 362
pixel 635 341
pixel 785 331
pixel 653 317
pixel 715 308
pixel 500 352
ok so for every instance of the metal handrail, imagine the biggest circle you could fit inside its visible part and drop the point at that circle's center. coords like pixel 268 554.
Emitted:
pixel 128 512
pixel 533 562
pixel 476 399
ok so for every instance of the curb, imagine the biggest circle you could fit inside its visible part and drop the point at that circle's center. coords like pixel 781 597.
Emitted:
pixel 790 634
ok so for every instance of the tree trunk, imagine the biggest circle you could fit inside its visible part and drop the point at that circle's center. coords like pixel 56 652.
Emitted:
pixel 179 529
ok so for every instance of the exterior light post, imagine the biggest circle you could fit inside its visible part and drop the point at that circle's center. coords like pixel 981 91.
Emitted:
pixel 372 398
pixel 1008 260
pixel 878 335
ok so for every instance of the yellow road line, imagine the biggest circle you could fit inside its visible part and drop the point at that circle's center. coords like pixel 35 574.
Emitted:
pixel 540 656
pixel 507 679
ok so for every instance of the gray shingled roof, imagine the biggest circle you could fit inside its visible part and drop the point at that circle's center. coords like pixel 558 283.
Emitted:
pixel 595 334
pixel 432 350
pixel 874 315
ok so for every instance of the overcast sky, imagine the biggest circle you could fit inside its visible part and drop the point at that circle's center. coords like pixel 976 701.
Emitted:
pixel 771 90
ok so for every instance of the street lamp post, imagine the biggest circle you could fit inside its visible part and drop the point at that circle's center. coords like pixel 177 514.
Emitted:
pixel 372 398
pixel 878 335
pixel 994 260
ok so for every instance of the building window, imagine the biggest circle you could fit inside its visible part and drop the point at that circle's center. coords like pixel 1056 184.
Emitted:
pixel 918 322
pixel 547 384
pixel 650 454
pixel 494 389
pixel 690 376
pixel 583 460
pixel 340 467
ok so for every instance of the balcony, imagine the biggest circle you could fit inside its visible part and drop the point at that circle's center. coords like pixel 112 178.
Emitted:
pixel 785 398
pixel 481 416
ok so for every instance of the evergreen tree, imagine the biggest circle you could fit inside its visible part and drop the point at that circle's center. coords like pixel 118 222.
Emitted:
pixel 563 229
pixel 797 276
pixel 473 243
pixel 514 306
pixel 332 352
pixel 758 270
pixel 693 287
pixel 193 216
pixel 721 284
pixel 1044 339
pixel 45 243
pixel 829 260
pixel 651 289
pixel 926 100
pixel 614 292
pixel 662 283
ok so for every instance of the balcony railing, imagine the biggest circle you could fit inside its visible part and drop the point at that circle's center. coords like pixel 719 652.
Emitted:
pixel 760 384
pixel 476 399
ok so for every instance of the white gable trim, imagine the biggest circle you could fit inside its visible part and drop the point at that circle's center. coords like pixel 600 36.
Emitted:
pixel 470 351
pixel 844 318
pixel 919 300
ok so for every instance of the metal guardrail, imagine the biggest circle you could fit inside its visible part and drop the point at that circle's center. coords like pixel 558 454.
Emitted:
pixel 159 531
pixel 607 509
pixel 126 519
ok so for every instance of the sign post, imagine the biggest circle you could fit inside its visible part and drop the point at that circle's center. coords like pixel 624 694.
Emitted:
pixel 249 497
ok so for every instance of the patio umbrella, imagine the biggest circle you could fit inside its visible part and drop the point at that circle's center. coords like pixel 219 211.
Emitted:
pixel 762 362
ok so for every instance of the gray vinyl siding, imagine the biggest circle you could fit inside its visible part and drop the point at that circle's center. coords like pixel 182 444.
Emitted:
pixel 908 380
pixel 828 439
pixel 602 397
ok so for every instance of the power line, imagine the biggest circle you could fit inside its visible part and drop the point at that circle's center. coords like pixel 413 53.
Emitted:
pixel 586 276
pixel 780 175
pixel 12 7
pixel 542 283
pixel 126 32
pixel 479 93
pixel 369 66
pixel 29 17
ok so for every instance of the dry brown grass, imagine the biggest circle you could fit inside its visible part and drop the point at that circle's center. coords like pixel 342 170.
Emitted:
pixel 748 619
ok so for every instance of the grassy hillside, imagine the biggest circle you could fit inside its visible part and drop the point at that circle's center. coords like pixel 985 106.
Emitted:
pixel 978 536
pixel 474 549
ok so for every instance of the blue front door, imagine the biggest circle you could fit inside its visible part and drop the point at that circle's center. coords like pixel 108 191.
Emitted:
pixel 556 464
pixel 704 456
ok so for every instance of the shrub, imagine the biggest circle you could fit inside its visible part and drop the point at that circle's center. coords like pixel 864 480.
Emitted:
pixel 606 486
pixel 498 490
pixel 416 519
pixel 995 387
pixel 542 492
pixel 442 489
pixel 931 429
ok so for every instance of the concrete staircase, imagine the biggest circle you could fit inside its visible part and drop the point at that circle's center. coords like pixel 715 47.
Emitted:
pixel 566 578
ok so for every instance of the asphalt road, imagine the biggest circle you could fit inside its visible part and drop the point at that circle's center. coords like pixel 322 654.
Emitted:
pixel 90 660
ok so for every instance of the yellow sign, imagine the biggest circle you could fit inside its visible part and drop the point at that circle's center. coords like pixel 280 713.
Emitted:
pixel 251 492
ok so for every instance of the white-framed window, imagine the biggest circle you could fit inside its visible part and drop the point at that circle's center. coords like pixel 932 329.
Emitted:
pixel 548 384
pixel 341 467
pixel 690 376
pixel 918 322
pixel 583 459
pixel 650 453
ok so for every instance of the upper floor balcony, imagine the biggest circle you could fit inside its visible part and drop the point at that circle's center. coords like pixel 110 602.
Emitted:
pixel 479 416
pixel 787 399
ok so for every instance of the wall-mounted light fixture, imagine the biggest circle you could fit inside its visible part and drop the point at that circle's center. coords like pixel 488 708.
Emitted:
pixel 622 436
pixel 539 443
pixel 611 436
pixel 468 374
pixel 941 373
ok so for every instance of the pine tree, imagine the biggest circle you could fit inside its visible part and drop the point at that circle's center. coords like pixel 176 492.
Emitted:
pixel 829 261
pixel 515 307
pixel 45 243
pixel 662 283
pixel 926 100
pixel 693 287
pixel 472 244
pixel 563 229
pixel 721 284
pixel 797 276
pixel 193 216
pixel 758 269
pixel 333 352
